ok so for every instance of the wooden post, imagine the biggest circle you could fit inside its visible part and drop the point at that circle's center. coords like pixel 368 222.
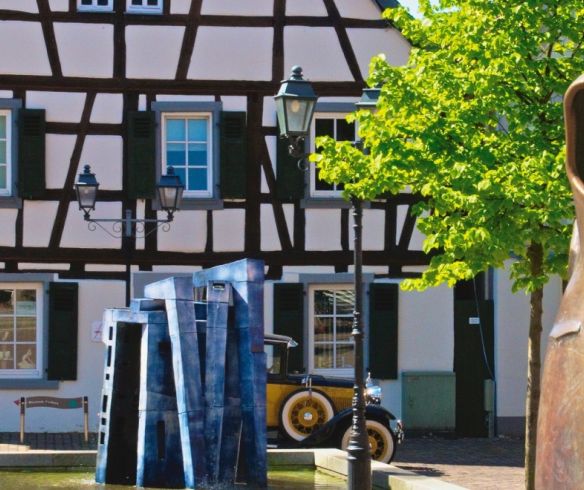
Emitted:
pixel 86 418
pixel 22 413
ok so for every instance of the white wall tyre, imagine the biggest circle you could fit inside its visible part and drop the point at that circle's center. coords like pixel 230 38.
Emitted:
pixel 381 441
pixel 303 413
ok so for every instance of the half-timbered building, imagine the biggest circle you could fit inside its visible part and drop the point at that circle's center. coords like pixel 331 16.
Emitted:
pixel 131 87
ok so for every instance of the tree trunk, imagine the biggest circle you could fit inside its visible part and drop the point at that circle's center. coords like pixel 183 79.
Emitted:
pixel 535 253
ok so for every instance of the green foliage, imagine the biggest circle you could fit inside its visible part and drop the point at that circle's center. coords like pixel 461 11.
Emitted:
pixel 474 124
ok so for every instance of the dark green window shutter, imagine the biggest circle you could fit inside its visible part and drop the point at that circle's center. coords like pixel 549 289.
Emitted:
pixel 383 330
pixel 31 152
pixel 141 154
pixel 233 155
pixel 63 297
pixel 289 178
pixel 289 320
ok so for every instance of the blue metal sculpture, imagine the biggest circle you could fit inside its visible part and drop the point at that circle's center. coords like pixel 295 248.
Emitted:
pixel 184 400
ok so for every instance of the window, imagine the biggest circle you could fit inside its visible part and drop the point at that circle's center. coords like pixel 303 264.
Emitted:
pixel 5 152
pixel 144 6
pixel 187 147
pixel 335 126
pixel 95 5
pixel 21 330
pixel 330 324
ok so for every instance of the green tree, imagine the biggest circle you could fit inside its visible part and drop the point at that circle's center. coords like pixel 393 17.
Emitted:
pixel 474 124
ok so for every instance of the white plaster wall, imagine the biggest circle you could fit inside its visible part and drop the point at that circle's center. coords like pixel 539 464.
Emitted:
pixel 59 106
pixel 358 10
pixel 77 235
pixel 425 338
pixel 188 232
pixel 37 266
pixel 270 239
pixel 367 43
pixel 229 7
pixel 417 239
pixel 23 49
pixel 323 229
pixel 104 154
pixel 85 50
pixel 7 223
pixel 317 51
pixel 182 98
pixel 271 142
pixel 107 109
pixel 105 267
pixel 227 53
pixel 234 103
pixel 39 217
pixel 94 297
pixel 511 335
pixel 373 229
pixel 180 6
pixel 22 5
pixel 58 151
pixel 6 94
pixel 228 230
pixel 269 112
pixel 153 51
pixel 306 7
pixel 59 5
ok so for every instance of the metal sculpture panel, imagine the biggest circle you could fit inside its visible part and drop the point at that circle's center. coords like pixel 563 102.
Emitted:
pixel 184 383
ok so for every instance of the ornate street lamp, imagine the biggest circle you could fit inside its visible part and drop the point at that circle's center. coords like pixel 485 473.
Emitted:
pixel 169 191
pixel 295 105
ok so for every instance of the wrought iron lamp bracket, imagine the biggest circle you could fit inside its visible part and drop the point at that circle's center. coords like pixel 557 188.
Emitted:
pixel 123 227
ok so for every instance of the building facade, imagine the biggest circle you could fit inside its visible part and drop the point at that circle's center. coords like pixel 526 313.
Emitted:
pixel 131 87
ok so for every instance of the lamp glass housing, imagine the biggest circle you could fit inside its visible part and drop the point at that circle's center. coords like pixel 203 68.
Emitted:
pixel 295 103
pixel 86 189
pixel 170 191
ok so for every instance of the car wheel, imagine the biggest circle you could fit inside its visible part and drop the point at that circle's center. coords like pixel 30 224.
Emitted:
pixel 303 412
pixel 381 441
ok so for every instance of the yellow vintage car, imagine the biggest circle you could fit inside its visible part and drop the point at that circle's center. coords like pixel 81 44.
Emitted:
pixel 313 410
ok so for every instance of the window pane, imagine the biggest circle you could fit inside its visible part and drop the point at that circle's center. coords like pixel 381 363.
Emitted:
pixel 345 130
pixel 2 151
pixel 102 2
pixel 3 127
pixel 197 179
pixel 175 154
pixel 323 356
pixel 6 301
pixel 175 130
pixel 25 356
pixel 26 302
pixel 345 302
pixel 324 127
pixel 136 2
pixel 323 302
pixel 180 171
pixel 6 329
pixel 323 329
pixel 6 356
pixel 321 185
pixel 25 329
pixel 197 130
pixel 198 154
pixel 344 327
pixel 153 3
pixel 3 177
pixel 345 356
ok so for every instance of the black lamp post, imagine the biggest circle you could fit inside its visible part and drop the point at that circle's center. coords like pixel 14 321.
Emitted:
pixel 169 191
pixel 295 105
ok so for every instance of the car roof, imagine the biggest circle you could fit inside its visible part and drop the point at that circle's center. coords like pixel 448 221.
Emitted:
pixel 272 338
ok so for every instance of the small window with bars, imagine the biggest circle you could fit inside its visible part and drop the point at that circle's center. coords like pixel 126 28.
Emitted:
pixel 144 6
pixel 336 126
pixel 95 5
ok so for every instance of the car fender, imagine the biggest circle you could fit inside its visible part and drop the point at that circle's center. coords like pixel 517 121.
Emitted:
pixel 329 429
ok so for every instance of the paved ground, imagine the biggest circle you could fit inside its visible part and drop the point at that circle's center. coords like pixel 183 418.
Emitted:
pixel 481 464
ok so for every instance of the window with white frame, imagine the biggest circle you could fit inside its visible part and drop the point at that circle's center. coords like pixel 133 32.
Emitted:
pixel 336 126
pixel 187 147
pixel 332 350
pixel 95 5
pixel 5 152
pixel 144 6
pixel 21 330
